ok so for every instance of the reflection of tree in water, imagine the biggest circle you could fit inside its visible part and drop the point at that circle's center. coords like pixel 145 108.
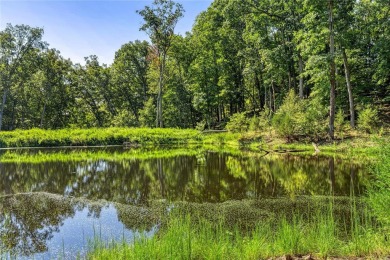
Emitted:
pixel 27 222
pixel 141 218
pixel 216 177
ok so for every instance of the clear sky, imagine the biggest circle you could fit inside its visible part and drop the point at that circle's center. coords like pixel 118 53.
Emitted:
pixel 84 27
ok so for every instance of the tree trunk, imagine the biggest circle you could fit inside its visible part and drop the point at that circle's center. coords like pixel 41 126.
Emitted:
pixel 2 107
pixel 159 121
pixel 43 115
pixel 273 97
pixel 258 85
pixel 300 76
pixel 349 87
pixel 332 72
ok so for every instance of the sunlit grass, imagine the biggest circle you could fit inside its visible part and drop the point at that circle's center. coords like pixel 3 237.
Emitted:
pixel 96 136
pixel 379 191
pixel 186 237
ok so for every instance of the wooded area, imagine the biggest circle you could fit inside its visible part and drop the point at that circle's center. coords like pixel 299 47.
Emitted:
pixel 242 56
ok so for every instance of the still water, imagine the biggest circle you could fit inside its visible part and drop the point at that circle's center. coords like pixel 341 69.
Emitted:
pixel 54 202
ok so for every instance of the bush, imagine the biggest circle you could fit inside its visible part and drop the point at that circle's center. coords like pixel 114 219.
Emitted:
pixel 315 119
pixel 125 118
pixel 368 119
pixel 238 123
pixel 289 119
pixel 254 123
pixel 261 122
pixel 339 123
pixel 148 114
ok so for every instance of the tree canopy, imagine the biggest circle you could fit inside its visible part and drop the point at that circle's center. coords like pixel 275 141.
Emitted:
pixel 241 56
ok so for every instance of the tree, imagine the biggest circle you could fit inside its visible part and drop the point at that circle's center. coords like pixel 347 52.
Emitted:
pixel 129 76
pixel 160 21
pixel 332 71
pixel 15 44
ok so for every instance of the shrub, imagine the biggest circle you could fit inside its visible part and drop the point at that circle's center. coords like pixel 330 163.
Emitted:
pixel 238 123
pixel 200 126
pixel 261 122
pixel 368 119
pixel 339 123
pixel 315 119
pixel 148 114
pixel 289 119
pixel 254 123
pixel 125 118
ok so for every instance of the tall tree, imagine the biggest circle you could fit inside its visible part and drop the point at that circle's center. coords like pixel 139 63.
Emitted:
pixel 160 21
pixel 129 76
pixel 15 44
pixel 332 70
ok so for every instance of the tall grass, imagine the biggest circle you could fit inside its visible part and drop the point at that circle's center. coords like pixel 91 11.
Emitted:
pixel 322 235
pixel 108 136
pixel 95 136
pixel 379 191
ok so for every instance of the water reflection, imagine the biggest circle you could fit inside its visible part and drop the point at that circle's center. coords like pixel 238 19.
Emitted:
pixel 199 176
pixel 49 226
pixel 46 226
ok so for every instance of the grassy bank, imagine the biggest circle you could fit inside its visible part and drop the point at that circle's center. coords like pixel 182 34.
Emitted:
pixel 146 136
pixel 96 136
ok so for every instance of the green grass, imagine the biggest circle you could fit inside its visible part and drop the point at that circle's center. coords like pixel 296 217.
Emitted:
pixel 379 191
pixel 96 136
pixel 186 237
pixel 158 136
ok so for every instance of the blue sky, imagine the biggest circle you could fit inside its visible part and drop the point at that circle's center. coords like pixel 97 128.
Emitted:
pixel 85 27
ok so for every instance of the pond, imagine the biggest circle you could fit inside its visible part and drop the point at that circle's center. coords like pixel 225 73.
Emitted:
pixel 55 202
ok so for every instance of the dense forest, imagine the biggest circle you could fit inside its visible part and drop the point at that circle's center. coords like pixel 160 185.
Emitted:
pixel 252 62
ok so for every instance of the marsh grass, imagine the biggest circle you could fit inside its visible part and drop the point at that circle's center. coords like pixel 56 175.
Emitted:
pixel 109 136
pixel 320 234
pixel 96 136
pixel 171 136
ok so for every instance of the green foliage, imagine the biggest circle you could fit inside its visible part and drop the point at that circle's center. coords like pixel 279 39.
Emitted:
pixel 315 119
pixel 125 119
pixel 96 136
pixel 340 124
pixel 200 126
pixel 148 114
pixel 368 119
pixel 238 123
pixel 288 121
pixel 254 123
pixel 238 57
